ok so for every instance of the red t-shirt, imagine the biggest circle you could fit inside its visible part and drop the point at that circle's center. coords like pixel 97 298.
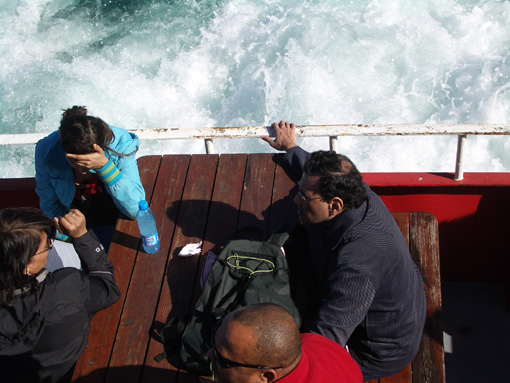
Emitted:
pixel 323 360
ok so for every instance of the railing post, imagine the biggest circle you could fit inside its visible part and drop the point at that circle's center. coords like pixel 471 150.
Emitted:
pixel 209 146
pixel 459 165
pixel 333 143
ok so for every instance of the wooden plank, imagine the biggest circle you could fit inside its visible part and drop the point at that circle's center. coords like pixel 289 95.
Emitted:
pixel 177 291
pixel 222 220
pixel 91 367
pixel 224 210
pixel 428 366
pixel 402 220
pixel 283 209
pixel 404 376
pixel 257 193
pixel 226 200
pixel 138 313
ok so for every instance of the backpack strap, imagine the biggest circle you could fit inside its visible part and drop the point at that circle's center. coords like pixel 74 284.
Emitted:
pixel 171 336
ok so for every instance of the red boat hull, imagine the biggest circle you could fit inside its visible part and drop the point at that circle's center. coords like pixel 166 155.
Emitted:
pixel 473 215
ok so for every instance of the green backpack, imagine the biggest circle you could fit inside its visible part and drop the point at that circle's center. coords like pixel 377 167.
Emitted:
pixel 246 272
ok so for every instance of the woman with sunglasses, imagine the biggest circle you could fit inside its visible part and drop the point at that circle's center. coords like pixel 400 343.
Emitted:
pixel 45 316
pixel 91 166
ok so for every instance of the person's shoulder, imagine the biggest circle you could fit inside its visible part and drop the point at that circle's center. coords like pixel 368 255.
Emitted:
pixel 63 291
pixel 331 357
pixel 46 144
pixel 124 141
pixel 66 280
pixel 122 134
pixel 49 139
pixel 320 345
pixel 316 340
pixel 50 154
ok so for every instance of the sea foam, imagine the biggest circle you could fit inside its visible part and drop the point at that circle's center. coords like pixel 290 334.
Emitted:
pixel 155 64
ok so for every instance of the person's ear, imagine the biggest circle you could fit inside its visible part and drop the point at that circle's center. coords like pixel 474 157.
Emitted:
pixel 268 376
pixel 336 206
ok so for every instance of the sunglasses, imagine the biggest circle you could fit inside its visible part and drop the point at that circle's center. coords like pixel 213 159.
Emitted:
pixel 227 363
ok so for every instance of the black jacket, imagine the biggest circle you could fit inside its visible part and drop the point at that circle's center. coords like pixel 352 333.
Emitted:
pixel 372 297
pixel 43 333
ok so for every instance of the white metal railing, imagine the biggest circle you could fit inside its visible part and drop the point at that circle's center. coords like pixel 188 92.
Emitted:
pixel 331 131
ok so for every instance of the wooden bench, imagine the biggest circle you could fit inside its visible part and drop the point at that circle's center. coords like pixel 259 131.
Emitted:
pixel 206 198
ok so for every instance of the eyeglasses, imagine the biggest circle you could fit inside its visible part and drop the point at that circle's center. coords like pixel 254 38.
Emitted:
pixel 227 363
pixel 49 246
pixel 305 198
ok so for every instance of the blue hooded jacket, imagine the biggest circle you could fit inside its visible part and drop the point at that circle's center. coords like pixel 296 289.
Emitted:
pixel 55 179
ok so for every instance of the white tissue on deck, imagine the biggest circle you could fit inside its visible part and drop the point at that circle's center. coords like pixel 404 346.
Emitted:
pixel 191 249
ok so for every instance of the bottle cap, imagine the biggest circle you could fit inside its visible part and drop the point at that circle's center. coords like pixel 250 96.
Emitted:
pixel 143 205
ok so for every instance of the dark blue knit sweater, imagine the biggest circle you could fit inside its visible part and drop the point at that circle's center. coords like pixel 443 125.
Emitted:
pixel 372 296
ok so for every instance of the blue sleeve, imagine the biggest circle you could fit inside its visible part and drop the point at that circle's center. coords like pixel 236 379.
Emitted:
pixel 122 181
pixel 48 199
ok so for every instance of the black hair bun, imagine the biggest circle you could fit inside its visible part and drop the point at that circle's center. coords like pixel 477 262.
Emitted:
pixel 74 111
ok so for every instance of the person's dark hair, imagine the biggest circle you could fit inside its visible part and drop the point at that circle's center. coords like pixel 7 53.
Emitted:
pixel 78 132
pixel 339 177
pixel 20 237
pixel 277 338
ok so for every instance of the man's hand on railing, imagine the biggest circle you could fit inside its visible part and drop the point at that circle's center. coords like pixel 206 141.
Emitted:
pixel 285 136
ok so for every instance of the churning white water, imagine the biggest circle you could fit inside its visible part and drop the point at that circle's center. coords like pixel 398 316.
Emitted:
pixel 197 63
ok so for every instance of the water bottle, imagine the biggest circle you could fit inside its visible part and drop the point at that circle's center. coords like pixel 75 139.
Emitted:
pixel 147 226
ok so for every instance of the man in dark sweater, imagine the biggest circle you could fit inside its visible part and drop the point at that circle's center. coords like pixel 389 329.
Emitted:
pixel 364 291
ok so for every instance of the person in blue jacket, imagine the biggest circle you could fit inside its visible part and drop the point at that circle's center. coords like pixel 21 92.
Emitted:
pixel 88 165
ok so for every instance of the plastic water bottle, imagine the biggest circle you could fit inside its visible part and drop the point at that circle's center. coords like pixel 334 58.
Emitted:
pixel 147 226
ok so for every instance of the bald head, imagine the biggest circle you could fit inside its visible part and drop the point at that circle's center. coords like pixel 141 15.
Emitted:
pixel 257 343
pixel 276 336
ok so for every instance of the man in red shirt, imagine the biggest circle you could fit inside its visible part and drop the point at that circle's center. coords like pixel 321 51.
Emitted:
pixel 262 343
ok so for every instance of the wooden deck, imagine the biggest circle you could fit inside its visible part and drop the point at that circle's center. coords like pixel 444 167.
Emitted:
pixel 206 198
